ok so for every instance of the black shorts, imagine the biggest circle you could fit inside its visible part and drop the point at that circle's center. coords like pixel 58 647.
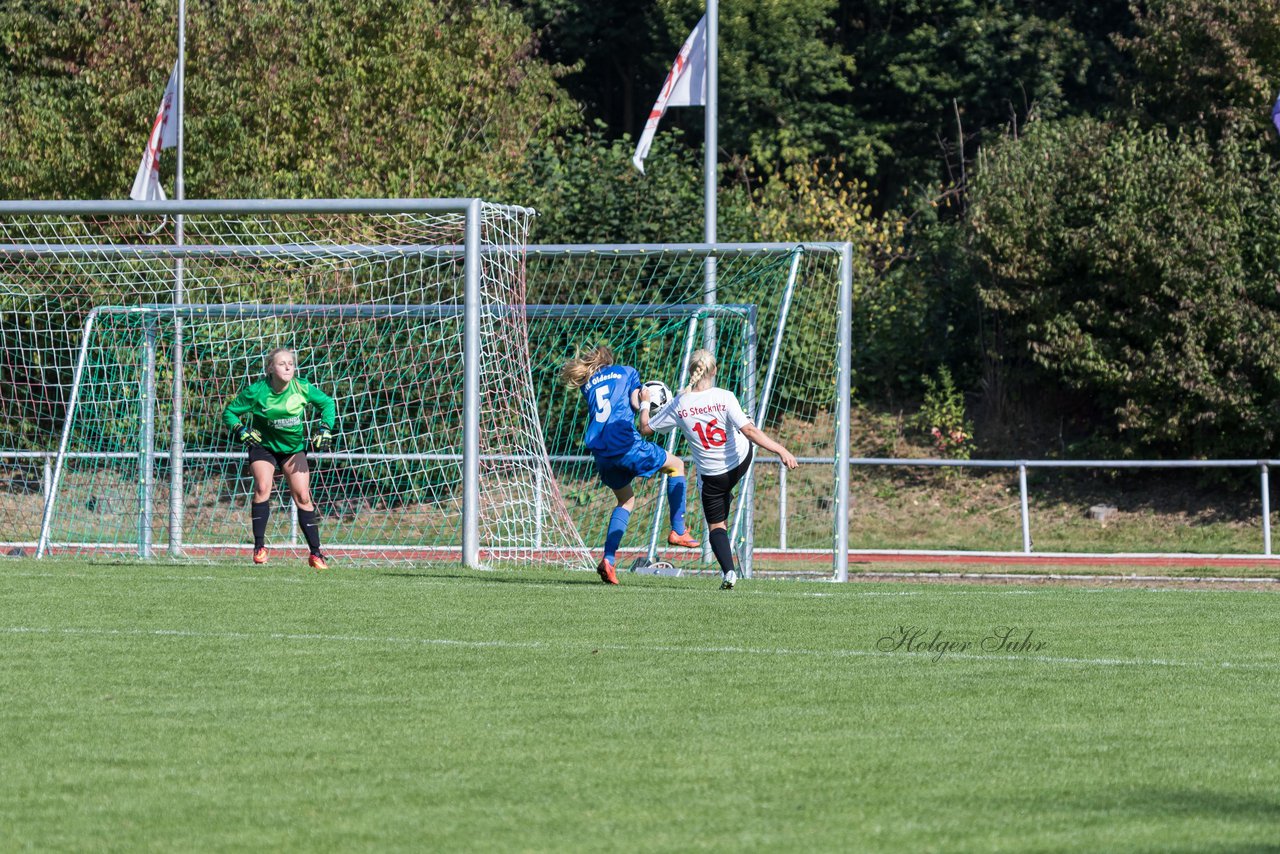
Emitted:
pixel 717 491
pixel 261 453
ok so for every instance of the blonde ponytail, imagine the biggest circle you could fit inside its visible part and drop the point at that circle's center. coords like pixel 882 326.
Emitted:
pixel 701 363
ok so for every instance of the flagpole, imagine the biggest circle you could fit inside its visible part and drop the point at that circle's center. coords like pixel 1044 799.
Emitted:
pixel 710 173
pixel 179 297
pixel 179 106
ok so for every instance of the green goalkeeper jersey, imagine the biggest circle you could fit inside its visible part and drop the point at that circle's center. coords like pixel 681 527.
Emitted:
pixel 278 416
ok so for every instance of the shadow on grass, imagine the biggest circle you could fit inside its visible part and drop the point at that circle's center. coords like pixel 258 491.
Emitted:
pixel 1258 810
pixel 1244 814
pixel 567 578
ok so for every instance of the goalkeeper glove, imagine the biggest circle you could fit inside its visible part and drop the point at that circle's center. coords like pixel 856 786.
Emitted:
pixel 247 436
pixel 323 440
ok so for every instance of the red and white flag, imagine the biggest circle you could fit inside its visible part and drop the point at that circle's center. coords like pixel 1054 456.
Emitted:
pixel 164 134
pixel 685 86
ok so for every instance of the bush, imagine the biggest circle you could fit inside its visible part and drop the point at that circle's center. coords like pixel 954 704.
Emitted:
pixel 942 416
pixel 1138 267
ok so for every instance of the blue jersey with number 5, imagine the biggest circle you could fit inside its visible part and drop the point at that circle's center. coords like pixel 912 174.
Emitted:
pixel 611 432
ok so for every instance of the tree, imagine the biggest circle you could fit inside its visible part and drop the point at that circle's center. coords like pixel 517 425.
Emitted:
pixel 361 98
pixel 938 78
pixel 607 49
pixel 1205 63
pixel 784 80
pixel 1138 267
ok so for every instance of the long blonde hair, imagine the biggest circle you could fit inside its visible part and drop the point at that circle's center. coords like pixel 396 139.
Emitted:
pixel 575 372
pixel 701 363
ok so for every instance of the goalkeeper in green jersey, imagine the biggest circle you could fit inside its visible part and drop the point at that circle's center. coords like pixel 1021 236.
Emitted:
pixel 268 417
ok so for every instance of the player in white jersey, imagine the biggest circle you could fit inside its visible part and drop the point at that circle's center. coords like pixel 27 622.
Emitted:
pixel 720 435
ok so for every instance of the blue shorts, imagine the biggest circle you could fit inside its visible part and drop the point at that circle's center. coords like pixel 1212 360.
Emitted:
pixel 644 460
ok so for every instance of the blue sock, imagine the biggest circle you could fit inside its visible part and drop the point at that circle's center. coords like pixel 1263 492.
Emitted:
pixel 617 527
pixel 675 497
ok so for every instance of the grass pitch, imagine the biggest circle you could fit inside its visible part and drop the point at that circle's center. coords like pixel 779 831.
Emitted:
pixel 172 707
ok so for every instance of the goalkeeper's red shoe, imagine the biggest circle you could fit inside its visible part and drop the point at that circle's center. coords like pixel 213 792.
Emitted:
pixel 607 575
pixel 260 556
pixel 317 562
pixel 685 540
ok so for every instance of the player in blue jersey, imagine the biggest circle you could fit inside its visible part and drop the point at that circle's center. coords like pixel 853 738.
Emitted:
pixel 614 393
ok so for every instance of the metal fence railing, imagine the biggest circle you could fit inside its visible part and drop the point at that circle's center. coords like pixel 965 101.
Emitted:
pixel 1023 466
pixel 784 508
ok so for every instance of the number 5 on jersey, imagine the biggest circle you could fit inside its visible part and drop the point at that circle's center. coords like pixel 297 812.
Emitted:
pixel 603 406
pixel 712 436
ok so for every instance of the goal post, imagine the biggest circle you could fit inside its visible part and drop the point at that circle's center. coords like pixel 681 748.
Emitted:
pixel 500 332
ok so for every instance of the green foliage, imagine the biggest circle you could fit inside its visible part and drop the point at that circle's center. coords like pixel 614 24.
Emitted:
pixel 892 313
pixel 1206 63
pixel 942 416
pixel 934 71
pixel 785 78
pixel 586 190
pixel 610 52
pixel 1138 267
pixel 873 82
pixel 920 311
pixel 1145 285
pixel 49 120
pixel 416 98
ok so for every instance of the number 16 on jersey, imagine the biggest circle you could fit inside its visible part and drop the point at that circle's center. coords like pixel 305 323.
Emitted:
pixel 711 436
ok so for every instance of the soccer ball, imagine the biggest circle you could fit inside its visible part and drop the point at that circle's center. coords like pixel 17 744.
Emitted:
pixel 659 395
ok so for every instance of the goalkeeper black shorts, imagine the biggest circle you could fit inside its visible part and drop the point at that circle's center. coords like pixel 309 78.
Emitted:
pixel 261 453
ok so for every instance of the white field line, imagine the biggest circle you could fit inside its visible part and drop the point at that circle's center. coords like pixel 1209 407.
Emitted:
pixel 924 657
pixel 1060 576
pixel 764 587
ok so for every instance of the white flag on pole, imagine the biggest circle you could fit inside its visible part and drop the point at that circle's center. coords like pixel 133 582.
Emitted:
pixel 685 86
pixel 164 134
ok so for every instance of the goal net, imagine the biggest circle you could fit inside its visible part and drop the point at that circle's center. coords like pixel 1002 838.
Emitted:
pixel 124 446
pixel 775 333
pixel 375 307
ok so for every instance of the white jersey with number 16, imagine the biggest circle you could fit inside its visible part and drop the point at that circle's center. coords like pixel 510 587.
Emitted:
pixel 712 421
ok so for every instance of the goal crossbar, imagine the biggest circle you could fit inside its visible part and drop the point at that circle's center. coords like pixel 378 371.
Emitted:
pixel 664 310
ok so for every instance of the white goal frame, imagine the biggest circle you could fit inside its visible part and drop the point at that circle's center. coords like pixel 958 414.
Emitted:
pixel 472 250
